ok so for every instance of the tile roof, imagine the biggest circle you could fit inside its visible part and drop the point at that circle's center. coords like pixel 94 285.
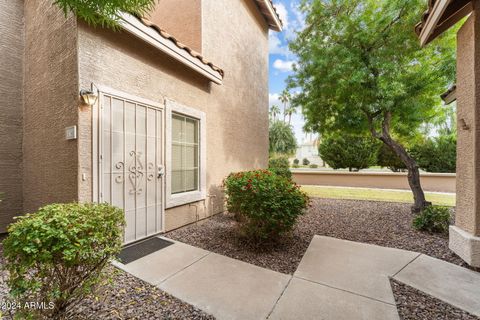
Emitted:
pixel 267 8
pixel 164 34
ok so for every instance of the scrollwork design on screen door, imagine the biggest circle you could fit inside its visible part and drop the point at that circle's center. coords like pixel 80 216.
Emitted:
pixel 135 172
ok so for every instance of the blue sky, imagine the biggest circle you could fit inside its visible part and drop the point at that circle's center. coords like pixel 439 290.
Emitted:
pixel 281 59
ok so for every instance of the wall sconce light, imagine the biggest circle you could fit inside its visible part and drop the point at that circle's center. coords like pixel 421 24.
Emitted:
pixel 88 97
pixel 464 125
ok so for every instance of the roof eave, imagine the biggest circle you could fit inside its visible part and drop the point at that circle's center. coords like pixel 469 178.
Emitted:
pixel 443 15
pixel 268 10
pixel 278 25
pixel 135 27
pixel 432 21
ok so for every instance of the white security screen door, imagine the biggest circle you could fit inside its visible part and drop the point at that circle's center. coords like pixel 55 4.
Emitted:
pixel 131 163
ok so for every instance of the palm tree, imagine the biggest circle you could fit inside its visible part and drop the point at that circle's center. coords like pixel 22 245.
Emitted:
pixel 290 111
pixel 284 98
pixel 274 111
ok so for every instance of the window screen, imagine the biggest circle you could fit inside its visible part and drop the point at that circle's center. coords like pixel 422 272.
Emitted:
pixel 185 154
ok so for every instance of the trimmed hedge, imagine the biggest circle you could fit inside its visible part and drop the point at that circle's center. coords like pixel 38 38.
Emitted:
pixel 349 151
pixel 437 154
pixel 280 166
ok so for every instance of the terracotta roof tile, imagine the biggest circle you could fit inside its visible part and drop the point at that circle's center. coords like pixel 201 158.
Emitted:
pixel 268 17
pixel 164 34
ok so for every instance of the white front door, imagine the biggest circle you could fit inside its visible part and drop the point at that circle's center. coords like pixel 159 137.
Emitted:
pixel 131 163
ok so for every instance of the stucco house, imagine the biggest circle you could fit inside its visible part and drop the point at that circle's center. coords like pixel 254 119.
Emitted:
pixel 308 149
pixel 182 101
pixel 440 16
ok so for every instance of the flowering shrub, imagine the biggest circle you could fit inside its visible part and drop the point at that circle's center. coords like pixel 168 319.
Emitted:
pixel 56 256
pixel 268 205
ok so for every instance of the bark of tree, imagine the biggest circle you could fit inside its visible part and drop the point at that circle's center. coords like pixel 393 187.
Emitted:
pixel 420 202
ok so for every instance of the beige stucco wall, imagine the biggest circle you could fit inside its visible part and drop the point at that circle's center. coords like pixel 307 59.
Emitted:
pixel 182 19
pixel 51 91
pixel 468 86
pixel 11 108
pixel 236 112
pixel 433 182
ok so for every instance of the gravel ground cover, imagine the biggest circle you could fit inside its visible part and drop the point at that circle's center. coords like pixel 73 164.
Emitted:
pixel 381 223
pixel 126 298
pixel 416 305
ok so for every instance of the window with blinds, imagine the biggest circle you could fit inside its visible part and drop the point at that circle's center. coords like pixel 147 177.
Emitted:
pixel 185 154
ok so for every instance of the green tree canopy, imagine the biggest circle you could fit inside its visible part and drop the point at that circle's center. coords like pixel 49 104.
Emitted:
pixel 104 12
pixel 361 69
pixel 282 138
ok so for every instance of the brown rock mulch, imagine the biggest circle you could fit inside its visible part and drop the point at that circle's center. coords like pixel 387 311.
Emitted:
pixel 381 223
pixel 413 304
pixel 125 298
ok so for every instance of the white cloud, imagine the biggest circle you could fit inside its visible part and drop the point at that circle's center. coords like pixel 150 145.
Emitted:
pixel 283 65
pixel 274 99
pixel 276 46
pixel 296 24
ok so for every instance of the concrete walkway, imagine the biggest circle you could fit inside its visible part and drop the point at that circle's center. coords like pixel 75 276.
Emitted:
pixel 336 279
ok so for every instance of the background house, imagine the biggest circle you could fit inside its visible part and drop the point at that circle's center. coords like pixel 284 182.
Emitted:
pixel 183 101
pixel 309 149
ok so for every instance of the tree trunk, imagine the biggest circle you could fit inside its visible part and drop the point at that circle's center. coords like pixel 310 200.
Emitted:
pixel 413 174
pixel 420 202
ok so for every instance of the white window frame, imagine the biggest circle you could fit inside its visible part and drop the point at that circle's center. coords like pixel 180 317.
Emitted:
pixel 178 199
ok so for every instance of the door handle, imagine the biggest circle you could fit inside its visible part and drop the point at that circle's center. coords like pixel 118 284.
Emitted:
pixel 160 171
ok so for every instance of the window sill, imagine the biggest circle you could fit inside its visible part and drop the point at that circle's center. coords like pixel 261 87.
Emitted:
pixel 180 199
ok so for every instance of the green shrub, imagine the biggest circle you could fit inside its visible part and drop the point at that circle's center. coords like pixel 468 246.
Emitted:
pixel 296 161
pixel 268 205
pixel 57 254
pixel 295 166
pixel 280 166
pixel 434 219
pixel 349 151
pixel 437 154
pixel 313 166
pixel 387 158
pixel 305 162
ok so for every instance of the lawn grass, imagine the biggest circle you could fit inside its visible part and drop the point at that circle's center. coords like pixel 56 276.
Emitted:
pixel 441 199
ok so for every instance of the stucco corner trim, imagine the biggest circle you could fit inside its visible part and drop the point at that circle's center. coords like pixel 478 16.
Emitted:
pixel 135 27
pixel 465 245
pixel 175 200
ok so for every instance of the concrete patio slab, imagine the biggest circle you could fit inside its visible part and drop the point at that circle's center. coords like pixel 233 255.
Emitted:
pixel 453 284
pixel 352 266
pixel 156 267
pixel 307 300
pixel 228 288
